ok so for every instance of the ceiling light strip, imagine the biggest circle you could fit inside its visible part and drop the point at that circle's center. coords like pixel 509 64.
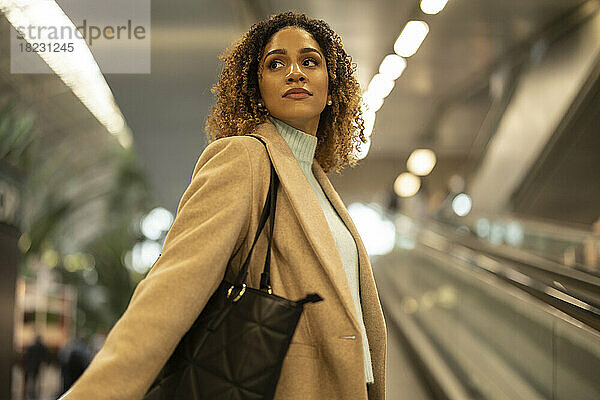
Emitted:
pixel 77 69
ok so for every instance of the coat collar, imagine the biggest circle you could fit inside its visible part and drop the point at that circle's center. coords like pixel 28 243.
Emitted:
pixel 310 214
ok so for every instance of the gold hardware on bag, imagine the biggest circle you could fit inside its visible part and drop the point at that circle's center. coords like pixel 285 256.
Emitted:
pixel 240 294
pixel 268 290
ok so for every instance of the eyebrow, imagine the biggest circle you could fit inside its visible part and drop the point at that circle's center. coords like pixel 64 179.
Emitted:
pixel 283 51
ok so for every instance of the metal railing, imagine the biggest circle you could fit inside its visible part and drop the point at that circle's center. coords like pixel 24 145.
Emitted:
pixel 482 327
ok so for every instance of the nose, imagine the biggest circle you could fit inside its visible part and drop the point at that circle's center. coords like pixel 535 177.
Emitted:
pixel 295 74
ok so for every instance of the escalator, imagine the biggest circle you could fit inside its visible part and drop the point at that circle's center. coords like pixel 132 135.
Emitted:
pixel 489 324
pixel 573 290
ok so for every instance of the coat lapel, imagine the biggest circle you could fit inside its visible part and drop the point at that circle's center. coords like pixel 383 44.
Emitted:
pixel 309 212
pixel 371 307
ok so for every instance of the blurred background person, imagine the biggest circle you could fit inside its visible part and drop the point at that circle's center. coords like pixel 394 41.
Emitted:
pixel 74 358
pixel 35 354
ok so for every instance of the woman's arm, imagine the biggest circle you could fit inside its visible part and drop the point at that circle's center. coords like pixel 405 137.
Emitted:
pixel 211 223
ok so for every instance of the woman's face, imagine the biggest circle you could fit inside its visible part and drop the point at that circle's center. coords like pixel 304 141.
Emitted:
pixel 293 59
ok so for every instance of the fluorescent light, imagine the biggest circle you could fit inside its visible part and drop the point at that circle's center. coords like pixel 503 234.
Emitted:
pixel 156 222
pixel 78 69
pixel 380 86
pixel 461 204
pixel 482 227
pixel 372 101
pixel 392 66
pixel 363 149
pixel 378 232
pixel 410 38
pixel 144 255
pixel 421 162
pixel 433 6
pixel 369 118
pixel 407 184
pixel 514 234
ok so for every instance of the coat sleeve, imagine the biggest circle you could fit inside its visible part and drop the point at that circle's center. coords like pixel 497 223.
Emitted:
pixel 211 223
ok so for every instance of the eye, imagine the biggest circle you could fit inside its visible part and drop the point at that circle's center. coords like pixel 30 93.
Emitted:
pixel 309 60
pixel 273 64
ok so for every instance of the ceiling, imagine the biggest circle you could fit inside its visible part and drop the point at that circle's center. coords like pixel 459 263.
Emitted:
pixel 441 101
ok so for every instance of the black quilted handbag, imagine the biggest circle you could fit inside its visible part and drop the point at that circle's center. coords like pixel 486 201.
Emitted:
pixel 236 346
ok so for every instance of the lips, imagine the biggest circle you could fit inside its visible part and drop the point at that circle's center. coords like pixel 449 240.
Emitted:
pixel 297 91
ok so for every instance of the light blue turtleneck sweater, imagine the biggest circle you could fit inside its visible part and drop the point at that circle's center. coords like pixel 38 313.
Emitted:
pixel 303 147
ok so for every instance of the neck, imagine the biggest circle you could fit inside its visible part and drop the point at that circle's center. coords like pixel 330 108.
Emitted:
pixel 307 126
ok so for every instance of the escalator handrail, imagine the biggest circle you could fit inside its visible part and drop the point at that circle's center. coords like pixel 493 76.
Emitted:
pixel 523 257
pixel 504 272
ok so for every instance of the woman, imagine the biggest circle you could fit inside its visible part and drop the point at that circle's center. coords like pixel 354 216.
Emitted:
pixel 289 81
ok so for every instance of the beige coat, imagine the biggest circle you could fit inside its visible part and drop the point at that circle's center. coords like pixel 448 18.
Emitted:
pixel 217 216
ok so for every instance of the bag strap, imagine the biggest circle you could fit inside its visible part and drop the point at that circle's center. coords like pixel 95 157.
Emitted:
pixel 268 210
pixel 265 277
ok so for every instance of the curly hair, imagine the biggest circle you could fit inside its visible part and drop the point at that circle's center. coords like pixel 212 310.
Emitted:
pixel 236 113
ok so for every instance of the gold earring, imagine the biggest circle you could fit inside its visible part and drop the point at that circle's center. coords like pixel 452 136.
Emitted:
pixel 329 102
